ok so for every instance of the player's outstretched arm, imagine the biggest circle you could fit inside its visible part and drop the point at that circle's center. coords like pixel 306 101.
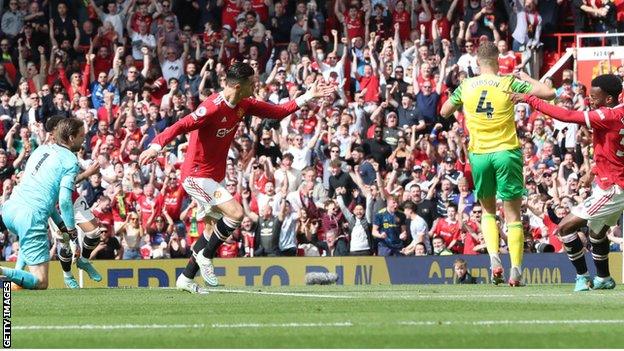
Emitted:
pixel 188 123
pixel 266 110
pixel 553 111
pixel 453 104
pixel 448 108
pixel 538 88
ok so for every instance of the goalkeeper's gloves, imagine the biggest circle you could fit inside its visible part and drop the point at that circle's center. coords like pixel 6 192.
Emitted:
pixel 68 234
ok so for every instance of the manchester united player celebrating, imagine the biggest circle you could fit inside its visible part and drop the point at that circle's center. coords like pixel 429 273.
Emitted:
pixel 603 208
pixel 212 127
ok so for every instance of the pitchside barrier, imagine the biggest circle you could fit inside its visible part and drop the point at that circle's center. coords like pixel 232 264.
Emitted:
pixel 544 268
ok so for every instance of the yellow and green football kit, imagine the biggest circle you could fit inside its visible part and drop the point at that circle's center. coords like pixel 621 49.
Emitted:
pixel 494 150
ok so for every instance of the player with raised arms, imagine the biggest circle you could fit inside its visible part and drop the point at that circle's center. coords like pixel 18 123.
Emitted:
pixel 604 207
pixel 49 178
pixel 494 151
pixel 212 127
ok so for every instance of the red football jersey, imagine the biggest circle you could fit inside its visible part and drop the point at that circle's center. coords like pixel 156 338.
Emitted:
pixel 403 19
pixel 506 63
pixel 371 84
pixel 608 126
pixel 447 230
pixel 171 200
pixel 229 13
pixel 145 208
pixel 469 241
pixel 421 80
pixel 212 127
pixel 355 26
pixel 444 28
pixel 261 9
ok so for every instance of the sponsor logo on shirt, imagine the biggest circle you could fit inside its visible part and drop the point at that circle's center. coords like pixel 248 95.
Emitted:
pixel 225 131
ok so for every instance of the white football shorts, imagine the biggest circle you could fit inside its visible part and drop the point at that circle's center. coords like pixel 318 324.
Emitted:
pixel 603 208
pixel 208 194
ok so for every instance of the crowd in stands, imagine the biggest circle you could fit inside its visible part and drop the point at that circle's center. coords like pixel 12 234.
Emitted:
pixel 372 170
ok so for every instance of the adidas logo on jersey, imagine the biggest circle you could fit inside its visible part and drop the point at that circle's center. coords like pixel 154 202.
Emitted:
pixel 224 120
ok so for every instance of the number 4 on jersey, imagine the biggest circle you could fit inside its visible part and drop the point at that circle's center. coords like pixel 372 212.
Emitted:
pixel 485 107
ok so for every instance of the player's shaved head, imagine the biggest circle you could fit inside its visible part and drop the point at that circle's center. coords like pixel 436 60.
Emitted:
pixel 610 84
pixel 238 73
pixel 487 55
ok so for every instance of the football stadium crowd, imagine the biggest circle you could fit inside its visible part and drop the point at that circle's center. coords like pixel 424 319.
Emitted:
pixel 375 163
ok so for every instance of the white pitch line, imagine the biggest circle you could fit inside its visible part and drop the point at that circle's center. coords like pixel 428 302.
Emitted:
pixel 417 295
pixel 514 322
pixel 319 324
pixel 178 326
pixel 106 327
pixel 282 293
pixel 282 325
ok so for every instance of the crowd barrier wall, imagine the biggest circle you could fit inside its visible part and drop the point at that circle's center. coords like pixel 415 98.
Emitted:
pixel 544 268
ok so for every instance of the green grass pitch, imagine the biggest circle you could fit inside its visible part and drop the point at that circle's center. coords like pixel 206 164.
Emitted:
pixel 448 316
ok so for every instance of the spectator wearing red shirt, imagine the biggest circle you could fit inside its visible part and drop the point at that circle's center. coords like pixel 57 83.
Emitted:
pixel 146 202
pixel 528 154
pixel 332 220
pixel 142 15
pixel 171 196
pixel 472 228
pixel 401 20
pixel 121 205
pixel 551 219
pixel 551 224
pixel 448 229
pixel 506 58
pixel 425 75
pixel 369 82
pixel 230 10
pixel 103 212
pixel 101 133
pixel 352 19
pixel 108 111
pixel 103 61
pixel 79 84
pixel 132 130
pixel 443 22
pixel 261 7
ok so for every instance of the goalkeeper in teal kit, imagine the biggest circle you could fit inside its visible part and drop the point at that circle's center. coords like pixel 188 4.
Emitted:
pixel 48 179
